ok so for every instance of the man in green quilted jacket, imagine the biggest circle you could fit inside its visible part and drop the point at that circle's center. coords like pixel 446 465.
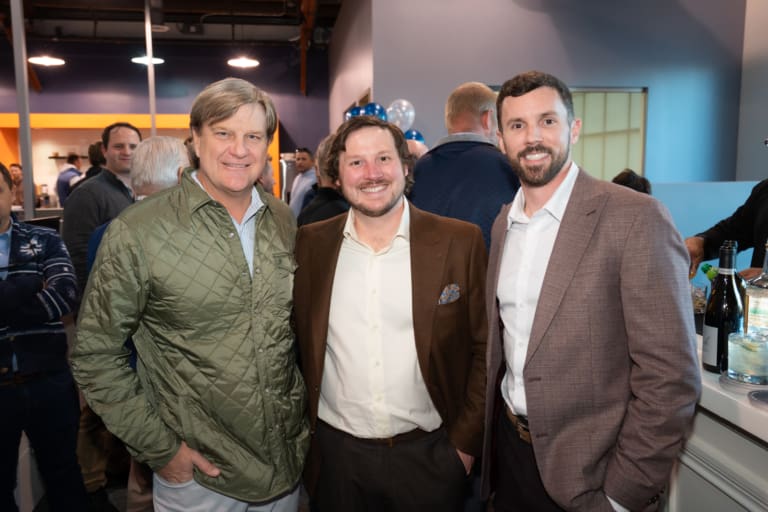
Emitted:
pixel 200 276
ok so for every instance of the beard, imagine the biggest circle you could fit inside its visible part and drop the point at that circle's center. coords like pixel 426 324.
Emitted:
pixel 378 212
pixel 534 175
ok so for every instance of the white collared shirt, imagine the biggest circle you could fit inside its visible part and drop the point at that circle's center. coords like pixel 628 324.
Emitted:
pixel 246 229
pixel 372 386
pixel 524 261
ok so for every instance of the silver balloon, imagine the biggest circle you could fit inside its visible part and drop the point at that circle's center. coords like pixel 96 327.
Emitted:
pixel 401 113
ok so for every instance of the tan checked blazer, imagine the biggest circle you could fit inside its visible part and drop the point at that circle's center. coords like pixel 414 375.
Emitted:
pixel 611 374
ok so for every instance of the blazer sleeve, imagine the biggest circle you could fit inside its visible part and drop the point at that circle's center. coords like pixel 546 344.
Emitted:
pixel 664 377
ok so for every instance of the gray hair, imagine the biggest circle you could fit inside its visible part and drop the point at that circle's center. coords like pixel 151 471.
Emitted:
pixel 156 161
pixel 473 98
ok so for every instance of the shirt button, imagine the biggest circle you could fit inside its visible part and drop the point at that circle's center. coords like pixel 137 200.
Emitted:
pixel 231 234
pixel 257 270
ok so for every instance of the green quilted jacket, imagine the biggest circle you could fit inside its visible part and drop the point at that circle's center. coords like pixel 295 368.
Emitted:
pixel 216 364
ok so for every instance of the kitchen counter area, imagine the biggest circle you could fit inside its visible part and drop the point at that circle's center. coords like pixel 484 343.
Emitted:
pixel 724 466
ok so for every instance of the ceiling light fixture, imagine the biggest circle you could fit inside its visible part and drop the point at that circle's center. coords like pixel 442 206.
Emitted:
pixel 145 60
pixel 46 60
pixel 243 62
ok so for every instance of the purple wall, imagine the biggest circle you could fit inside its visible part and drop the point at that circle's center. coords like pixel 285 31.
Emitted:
pixel 686 52
pixel 102 79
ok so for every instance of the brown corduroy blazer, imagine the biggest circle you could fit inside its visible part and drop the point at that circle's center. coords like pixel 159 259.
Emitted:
pixel 450 337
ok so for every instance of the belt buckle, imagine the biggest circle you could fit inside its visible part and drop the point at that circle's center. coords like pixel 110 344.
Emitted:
pixel 523 432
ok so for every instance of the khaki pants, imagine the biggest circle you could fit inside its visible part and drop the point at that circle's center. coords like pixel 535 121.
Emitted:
pixel 193 497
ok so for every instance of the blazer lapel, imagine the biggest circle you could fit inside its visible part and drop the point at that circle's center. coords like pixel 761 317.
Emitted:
pixel 494 352
pixel 579 221
pixel 428 255
pixel 325 255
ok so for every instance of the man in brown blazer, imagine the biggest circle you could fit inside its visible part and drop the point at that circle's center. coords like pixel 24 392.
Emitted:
pixel 390 321
pixel 592 369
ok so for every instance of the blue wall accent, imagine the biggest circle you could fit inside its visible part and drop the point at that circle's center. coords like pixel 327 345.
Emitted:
pixel 695 207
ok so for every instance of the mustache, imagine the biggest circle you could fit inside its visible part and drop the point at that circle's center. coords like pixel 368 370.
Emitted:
pixel 372 183
pixel 534 149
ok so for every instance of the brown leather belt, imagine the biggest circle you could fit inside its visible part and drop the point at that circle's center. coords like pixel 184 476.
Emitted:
pixel 23 378
pixel 521 425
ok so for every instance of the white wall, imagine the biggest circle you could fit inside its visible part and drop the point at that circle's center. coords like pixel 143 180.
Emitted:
pixel 752 163
pixel 350 59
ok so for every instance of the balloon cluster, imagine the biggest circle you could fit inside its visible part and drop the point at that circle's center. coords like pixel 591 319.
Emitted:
pixel 400 113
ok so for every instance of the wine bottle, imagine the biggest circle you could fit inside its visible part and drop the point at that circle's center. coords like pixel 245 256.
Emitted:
pixel 741 283
pixel 756 307
pixel 709 271
pixel 724 313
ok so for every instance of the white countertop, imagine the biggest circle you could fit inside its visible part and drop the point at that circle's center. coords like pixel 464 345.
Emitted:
pixel 731 405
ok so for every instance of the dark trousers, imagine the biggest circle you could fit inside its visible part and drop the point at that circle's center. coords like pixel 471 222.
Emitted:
pixel 518 486
pixel 47 410
pixel 418 475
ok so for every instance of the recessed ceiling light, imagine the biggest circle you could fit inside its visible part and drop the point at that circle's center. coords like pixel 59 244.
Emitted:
pixel 46 60
pixel 243 62
pixel 145 60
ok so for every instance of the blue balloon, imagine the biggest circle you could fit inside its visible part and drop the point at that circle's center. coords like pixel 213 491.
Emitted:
pixel 414 135
pixel 353 112
pixel 376 110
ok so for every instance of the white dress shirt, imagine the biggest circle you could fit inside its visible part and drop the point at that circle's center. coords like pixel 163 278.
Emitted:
pixel 524 261
pixel 372 386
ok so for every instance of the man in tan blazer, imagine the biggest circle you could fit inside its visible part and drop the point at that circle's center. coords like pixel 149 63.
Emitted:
pixel 390 321
pixel 592 369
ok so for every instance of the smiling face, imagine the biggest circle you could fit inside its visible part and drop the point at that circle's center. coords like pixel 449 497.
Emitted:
pixel 371 174
pixel 233 153
pixel 119 150
pixel 536 136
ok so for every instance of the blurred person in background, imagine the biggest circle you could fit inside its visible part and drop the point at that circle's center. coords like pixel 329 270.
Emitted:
pixel 465 176
pixel 629 178
pixel 69 174
pixel 302 183
pixel 748 225
pixel 37 393
pixel 18 184
pixel 328 201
